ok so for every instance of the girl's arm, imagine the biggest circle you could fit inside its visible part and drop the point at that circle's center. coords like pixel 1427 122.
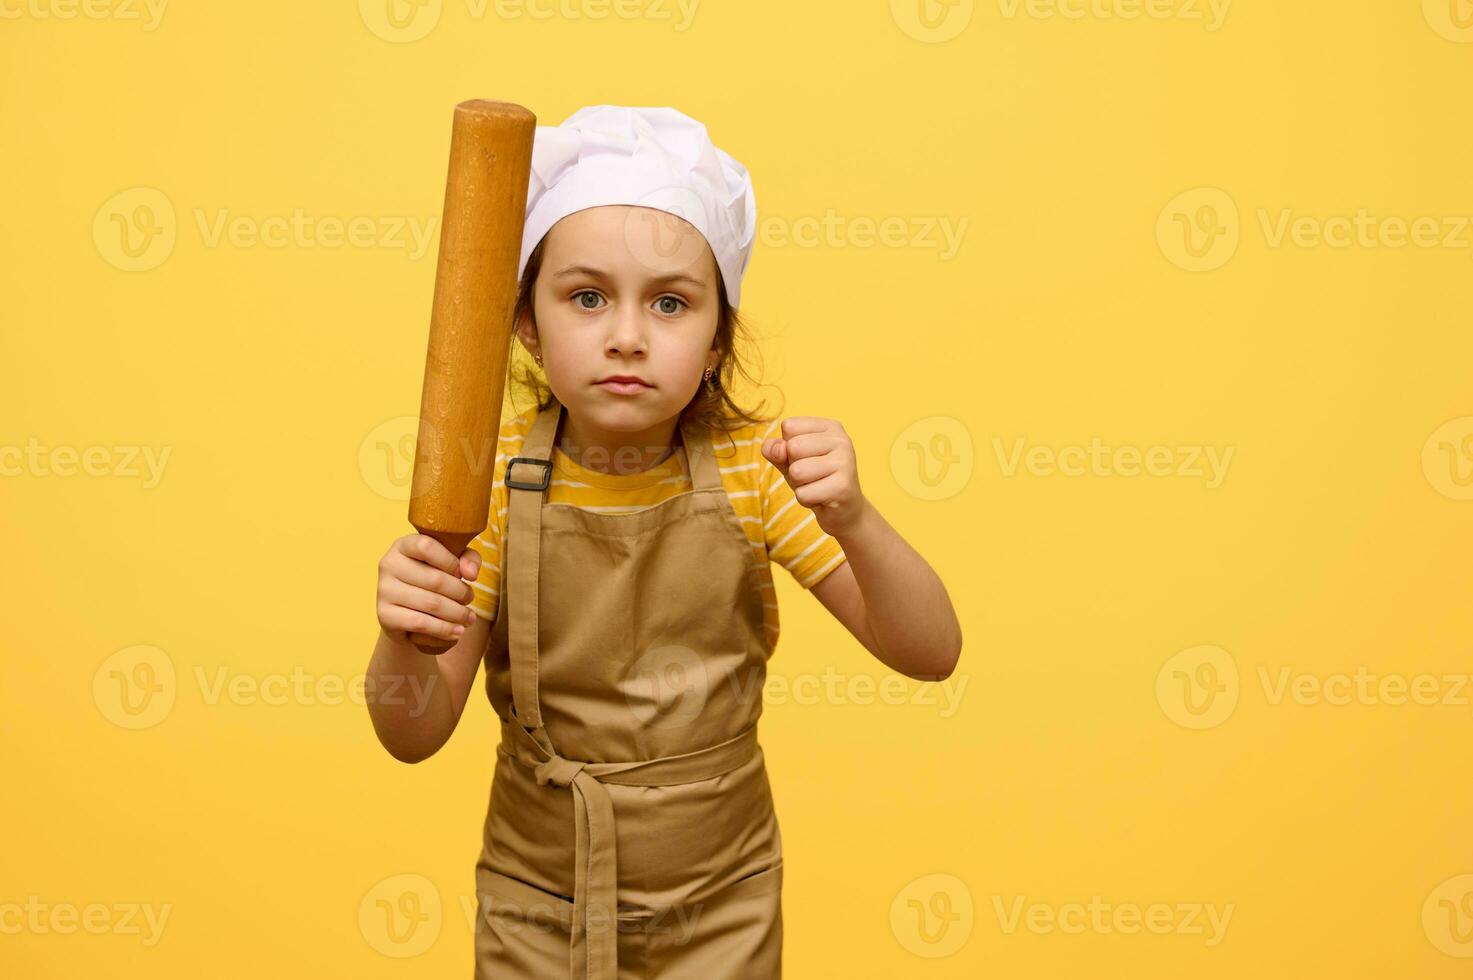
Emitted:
pixel 885 594
pixel 892 600
pixel 415 699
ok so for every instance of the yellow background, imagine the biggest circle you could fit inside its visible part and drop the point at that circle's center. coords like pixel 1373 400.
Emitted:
pixel 1339 538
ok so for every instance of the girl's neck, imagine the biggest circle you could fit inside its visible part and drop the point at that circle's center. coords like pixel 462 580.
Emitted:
pixel 616 453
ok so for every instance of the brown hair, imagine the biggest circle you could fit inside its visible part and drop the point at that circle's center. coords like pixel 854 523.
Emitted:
pixel 714 410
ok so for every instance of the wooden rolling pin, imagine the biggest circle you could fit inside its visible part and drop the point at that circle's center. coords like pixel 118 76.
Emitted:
pixel 470 325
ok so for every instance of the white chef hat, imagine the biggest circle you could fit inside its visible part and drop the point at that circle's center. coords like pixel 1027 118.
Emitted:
pixel 651 157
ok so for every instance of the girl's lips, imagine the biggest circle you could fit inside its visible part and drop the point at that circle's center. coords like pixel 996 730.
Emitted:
pixel 623 387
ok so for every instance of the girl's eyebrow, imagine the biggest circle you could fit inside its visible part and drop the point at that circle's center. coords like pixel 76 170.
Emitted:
pixel 573 270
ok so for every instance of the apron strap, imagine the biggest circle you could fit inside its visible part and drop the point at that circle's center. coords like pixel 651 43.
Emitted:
pixel 527 479
pixel 700 457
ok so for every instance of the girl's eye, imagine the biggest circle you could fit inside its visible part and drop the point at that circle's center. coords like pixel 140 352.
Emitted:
pixel 669 305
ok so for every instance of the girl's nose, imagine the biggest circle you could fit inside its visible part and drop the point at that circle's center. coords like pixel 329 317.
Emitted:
pixel 628 335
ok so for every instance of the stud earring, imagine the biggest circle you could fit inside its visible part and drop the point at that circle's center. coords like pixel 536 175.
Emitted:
pixel 709 383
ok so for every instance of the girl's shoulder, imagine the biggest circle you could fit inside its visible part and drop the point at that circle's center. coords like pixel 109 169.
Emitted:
pixel 513 432
pixel 744 438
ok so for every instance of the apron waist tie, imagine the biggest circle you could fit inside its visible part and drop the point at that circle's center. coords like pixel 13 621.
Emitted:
pixel 593 946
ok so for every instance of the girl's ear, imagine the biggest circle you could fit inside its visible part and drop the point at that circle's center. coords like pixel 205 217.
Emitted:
pixel 526 332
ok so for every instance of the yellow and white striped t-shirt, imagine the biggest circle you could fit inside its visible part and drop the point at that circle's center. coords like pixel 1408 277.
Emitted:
pixel 779 528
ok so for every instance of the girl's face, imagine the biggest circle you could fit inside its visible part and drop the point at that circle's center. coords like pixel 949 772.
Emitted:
pixel 624 290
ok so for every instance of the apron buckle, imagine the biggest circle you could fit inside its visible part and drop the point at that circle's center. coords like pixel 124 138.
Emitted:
pixel 524 485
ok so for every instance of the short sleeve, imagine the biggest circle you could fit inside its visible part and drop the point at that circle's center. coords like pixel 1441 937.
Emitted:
pixel 794 539
pixel 488 544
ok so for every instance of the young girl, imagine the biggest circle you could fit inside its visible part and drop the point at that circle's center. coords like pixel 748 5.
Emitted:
pixel 621 595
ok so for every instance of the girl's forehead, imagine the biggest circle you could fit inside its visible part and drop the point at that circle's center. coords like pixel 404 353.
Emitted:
pixel 627 240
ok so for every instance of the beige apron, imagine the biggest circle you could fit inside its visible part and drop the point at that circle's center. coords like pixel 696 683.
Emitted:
pixel 630 831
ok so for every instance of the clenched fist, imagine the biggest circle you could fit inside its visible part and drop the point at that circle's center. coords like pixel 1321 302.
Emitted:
pixel 817 459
